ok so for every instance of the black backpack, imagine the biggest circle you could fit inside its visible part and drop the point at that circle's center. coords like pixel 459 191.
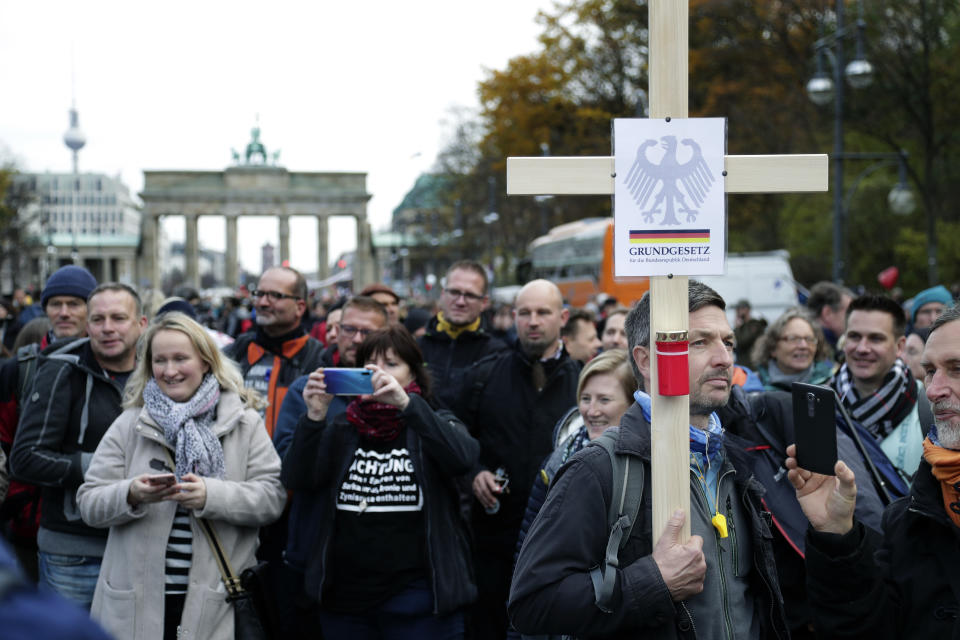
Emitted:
pixel 621 516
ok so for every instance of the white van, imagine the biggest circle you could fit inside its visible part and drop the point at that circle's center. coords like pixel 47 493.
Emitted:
pixel 765 279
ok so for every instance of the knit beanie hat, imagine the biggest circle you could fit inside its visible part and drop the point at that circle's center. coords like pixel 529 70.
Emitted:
pixel 938 293
pixel 70 280
pixel 177 304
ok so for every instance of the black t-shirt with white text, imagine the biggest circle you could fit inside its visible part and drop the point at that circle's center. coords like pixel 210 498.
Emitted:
pixel 378 542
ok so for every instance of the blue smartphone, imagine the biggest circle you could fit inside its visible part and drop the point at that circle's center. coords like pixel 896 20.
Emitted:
pixel 348 382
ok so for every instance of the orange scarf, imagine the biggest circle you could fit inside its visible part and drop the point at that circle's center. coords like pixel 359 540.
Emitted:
pixel 946 469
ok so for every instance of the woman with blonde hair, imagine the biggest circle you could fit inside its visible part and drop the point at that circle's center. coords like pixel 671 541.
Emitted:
pixel 792 349
pixel 604 393
pixel 185 403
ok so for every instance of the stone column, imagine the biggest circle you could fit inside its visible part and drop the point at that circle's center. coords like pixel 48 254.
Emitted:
pixel 323 256
pixel 284 221
pixel 363 267
pixel 192 252
pixel 231 271
pixel 150 273
pixel 124 271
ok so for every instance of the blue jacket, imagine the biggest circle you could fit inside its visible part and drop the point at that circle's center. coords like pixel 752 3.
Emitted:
pixel 29 614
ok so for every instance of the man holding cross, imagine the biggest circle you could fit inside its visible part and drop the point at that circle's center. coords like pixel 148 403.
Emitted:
pixel 721 582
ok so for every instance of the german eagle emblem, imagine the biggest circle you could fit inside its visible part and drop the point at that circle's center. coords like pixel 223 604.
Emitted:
pixel 673 178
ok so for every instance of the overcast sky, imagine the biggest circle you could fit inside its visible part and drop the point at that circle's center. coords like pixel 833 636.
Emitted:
pixel 339 86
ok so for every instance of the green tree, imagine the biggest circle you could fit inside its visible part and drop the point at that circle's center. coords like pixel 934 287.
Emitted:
pixel 914 104
pixel 15 195
pixel 749 61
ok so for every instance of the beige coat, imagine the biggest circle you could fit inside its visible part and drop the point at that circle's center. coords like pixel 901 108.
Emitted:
pixel 129 599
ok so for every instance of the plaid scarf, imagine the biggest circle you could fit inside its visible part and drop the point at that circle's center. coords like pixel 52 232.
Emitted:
pixel 885 408
pixel 186 427
pixel 377 420
pixel 574 443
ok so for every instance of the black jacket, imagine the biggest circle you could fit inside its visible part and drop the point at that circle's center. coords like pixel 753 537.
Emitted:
pixel 72 404
pixel 552 590
pixel 906 585
pixel 514 424
pixel 448 359
pixel 317 462
pixel 272 369
pixel 765 421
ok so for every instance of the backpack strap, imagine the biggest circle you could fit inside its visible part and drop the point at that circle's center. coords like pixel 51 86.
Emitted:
pixel 868 447
pixel 26 368
pixel 28 360
pixel 625 498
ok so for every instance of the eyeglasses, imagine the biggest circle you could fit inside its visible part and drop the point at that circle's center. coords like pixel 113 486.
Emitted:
pixel 349 330
pixel 273 295
pixel 795 340
pixel 466 295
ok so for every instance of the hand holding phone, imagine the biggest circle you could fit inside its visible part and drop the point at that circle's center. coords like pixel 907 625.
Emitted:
pixel 347 381
pixel 150 487
pixel 815 427
pixel 162 480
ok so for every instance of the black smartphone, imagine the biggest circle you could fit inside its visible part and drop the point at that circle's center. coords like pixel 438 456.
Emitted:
pixel 815 427
pixel 348 382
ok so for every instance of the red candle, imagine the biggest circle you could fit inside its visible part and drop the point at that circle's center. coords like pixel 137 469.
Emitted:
pixel 673 372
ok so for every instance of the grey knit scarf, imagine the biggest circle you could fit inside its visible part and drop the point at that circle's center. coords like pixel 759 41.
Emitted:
pixel 186 427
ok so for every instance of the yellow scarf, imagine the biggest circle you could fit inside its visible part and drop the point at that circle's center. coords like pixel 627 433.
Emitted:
pixel 946 469
pixel 452 330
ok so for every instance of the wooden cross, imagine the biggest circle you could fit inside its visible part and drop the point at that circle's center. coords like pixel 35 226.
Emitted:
pixel 668 22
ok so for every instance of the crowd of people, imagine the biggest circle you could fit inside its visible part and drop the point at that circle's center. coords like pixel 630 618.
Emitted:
pixel 491 478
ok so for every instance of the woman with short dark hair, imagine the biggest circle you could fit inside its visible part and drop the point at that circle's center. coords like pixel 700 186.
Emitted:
pixel 792 349
pixel 391 553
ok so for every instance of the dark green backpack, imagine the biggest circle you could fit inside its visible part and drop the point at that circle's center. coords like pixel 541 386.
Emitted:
pixel 621 516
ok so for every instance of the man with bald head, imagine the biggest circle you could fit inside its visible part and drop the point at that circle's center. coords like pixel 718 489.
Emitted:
pixel 511 401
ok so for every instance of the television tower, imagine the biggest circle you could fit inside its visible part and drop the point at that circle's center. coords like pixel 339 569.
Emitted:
pixel 75 140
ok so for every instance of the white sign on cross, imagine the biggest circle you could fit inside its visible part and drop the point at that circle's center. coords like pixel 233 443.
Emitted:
pixel 668 28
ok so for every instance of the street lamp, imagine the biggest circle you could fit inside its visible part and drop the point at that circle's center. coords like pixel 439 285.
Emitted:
pixel 821 88
pixel 900 199
pixel 859 72
pixel 457 219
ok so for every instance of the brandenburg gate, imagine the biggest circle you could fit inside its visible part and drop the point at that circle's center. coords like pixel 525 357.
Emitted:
pixel 253 188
